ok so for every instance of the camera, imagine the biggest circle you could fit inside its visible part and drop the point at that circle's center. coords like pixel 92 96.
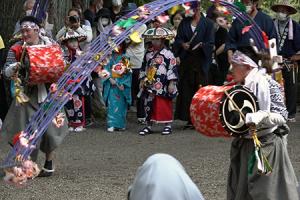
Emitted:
pixel 73 19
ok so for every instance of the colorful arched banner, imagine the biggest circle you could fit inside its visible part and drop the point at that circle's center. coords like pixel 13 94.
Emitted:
pixel 97 54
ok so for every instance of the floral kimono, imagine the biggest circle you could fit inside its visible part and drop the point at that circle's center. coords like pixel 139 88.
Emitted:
pixel 158 70
pixel 75 108
pixel 116 99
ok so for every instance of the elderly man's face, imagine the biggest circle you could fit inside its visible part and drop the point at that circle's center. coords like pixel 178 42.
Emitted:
pixel 239 73
pixel 30 36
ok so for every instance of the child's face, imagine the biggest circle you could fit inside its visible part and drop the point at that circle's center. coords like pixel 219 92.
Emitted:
pixel 73 44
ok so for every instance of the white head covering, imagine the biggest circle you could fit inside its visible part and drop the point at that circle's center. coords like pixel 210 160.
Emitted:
pixel 162 177
pixel 241 59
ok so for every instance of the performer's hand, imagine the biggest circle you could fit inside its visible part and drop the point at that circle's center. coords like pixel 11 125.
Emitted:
pixel 141 85
pixel 185 46
pixel 295 58
pixel 121 87
pixel 229 54
pixel 112 81
pixel 178 61
pixel 171 87
pixel 12 69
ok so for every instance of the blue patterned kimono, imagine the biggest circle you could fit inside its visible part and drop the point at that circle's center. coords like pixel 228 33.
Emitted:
pixel 117 101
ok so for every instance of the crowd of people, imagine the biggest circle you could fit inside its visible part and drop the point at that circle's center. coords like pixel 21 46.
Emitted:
pixel 162 64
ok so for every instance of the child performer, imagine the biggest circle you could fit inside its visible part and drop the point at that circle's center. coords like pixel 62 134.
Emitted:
pixel 116 77
pixel 158 78
pixel 75 108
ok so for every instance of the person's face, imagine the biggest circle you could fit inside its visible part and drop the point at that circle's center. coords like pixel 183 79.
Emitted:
pixel 157 43
pixel 239 73
pixel 75 14
pixel 30 36
pixel 250 6
pixel 177 19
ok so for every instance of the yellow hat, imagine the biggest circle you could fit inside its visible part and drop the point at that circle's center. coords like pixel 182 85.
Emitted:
pixel 135 37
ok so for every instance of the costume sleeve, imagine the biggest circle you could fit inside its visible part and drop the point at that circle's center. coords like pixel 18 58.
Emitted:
pixel 10 65
pixel 297 37
pixel 87 31
pixel 179 39
pixel 271 32
pixel 263 95
pixel 265 119
pixel 172 73
pixel 60 33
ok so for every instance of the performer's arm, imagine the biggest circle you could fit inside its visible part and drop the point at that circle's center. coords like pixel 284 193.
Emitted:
pixel 11 64
pixel 87 31
pixel 265 119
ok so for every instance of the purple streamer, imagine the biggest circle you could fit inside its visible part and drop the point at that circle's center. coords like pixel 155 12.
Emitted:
pixel 83 66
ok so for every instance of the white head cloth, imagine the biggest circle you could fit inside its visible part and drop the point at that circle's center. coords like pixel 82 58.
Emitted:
pixel 162 177
pixel 29 25
pixel 241 59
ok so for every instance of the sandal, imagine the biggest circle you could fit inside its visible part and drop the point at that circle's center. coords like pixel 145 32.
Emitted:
pixel 167 131
pixel 145 131
pixel 46 172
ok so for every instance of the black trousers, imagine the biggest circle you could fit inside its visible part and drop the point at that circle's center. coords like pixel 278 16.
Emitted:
pixel 3 101
pixel 290 89
pixel 134 91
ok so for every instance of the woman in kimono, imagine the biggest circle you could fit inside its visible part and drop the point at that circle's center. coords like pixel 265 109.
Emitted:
pixel 250 178
pixel 158 78
pixel 76 107
pixel 117 90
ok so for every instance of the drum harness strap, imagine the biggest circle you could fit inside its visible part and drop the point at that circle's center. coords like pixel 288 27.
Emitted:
pixel 258 155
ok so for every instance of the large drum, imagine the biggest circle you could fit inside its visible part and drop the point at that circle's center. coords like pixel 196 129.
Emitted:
pixel 214 114
pixel 46 64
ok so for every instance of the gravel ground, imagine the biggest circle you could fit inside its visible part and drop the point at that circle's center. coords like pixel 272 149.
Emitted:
pixel 96 164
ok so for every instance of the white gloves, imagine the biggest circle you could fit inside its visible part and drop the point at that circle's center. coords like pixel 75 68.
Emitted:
pixel 265 118
pixel 11 69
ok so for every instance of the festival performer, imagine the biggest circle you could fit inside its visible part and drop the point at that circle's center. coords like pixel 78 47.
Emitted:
pixel 116 78
pixel 249 177
pixel 193 46
pixel 237 38
pixel 288 35
pixel 75 108
pixel 158 80
pixel 23 107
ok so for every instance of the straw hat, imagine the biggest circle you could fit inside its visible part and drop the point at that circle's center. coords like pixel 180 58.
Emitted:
pixel 285 4
pixel 158 33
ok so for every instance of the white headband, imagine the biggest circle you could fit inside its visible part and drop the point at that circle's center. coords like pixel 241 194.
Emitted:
pixel 241 59
pixel 29 25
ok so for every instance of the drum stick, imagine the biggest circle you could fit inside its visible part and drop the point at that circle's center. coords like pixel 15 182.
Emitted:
pixel 193 37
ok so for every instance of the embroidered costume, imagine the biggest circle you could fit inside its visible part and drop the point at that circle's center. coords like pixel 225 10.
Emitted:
pixel 158 78
pixel 117 91
pixel 247 179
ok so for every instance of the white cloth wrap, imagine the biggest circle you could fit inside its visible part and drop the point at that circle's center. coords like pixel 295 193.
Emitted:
pixel 163 177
